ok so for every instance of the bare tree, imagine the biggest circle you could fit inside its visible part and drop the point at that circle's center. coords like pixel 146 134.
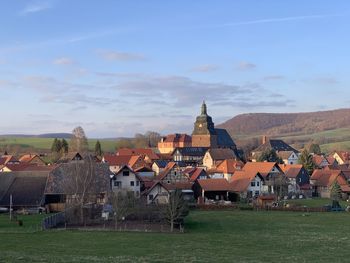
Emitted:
pixel 123 203
pixel 79 183
pixel 175 210
pixel 79 142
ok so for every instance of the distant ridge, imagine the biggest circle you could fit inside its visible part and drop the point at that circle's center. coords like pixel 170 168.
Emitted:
pixel 281 124
pixel 45 135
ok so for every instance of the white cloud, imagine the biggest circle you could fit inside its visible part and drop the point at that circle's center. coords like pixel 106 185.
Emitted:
pixel 120 56
pixel 64 61
pixel 244 65
pixel 205 68
pixel 36 7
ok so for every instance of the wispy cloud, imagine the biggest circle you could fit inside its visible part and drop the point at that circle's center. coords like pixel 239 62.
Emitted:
pixel 244 65
pixel 64 61
pixel 273 77
pixel 36 7
pixel 205 68
pixel 120 56
pixel 275 20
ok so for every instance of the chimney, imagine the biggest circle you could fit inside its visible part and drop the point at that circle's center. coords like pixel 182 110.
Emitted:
pixel 264 139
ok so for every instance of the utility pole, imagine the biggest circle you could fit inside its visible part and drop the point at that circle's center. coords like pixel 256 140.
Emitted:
pixel 10 207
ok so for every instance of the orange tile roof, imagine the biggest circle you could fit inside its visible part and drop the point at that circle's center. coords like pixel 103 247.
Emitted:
pixel 264 168
pixel 229 166
pixel 219 184
pixel 241 180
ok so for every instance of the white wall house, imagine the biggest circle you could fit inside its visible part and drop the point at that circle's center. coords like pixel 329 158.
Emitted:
pixel 255 187
pixel 126 180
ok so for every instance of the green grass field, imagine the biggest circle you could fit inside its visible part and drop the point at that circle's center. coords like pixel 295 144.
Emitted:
pixel 46 143
pixel 211 236
pixel 315 202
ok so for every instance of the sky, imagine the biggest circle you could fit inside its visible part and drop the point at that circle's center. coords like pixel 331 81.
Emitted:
pixel 118 68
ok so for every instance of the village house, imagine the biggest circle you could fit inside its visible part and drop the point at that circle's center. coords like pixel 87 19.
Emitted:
pixel 169 143
pixel 158 166
pixel 226 169
pixel 195 173
pixel 126 180
pixel 320 161
pixel 115 162
pixel 275 181
pixel 214 156
pixel 32 158
pixel 191 156
pixel 287 153
pixel 173 173
pixel 212 189
pixel 148 155
pixel 298 178
pixel 341 157
pixel 247 184
pixel 322 182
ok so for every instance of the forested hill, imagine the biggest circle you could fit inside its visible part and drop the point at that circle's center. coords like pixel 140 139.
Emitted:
pixel 280 124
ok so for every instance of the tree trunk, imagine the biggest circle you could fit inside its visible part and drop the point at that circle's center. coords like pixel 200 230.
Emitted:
pixel 172 226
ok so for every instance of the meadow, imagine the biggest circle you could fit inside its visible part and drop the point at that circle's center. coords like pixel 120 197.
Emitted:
pixel 210 236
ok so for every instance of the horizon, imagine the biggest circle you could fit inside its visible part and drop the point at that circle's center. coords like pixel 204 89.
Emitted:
pixel 121 68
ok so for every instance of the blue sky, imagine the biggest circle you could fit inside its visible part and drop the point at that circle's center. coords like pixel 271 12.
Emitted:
pixel 121 67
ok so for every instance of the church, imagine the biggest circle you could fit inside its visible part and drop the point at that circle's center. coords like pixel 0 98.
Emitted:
pixel 204 135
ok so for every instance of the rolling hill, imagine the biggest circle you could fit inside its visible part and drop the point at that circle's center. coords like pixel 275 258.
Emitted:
pixel 328 128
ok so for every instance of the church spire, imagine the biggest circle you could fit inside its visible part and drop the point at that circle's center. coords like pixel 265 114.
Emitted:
pixel 204 108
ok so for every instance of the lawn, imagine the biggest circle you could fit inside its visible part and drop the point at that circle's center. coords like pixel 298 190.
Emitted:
pixel 315 202
pixel 46 143
pixel 211 236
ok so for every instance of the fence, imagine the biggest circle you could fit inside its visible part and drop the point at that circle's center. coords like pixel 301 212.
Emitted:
pixel 53 221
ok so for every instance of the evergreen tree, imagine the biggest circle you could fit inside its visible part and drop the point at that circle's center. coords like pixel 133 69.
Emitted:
pixel 306 160
pixel 98 149
pixel 269 156
pixel 314 148
pixel 56 146
pixel 64 146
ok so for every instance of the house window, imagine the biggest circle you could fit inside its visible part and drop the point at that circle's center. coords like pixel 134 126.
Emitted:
pixel 150 197
pixel 256 193
pixel 252 183
pixel 132 183
pixel 257 184
pixel 137 183
pixel 125 173
pixel 117 184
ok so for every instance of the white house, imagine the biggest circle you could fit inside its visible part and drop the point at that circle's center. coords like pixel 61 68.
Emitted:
pixel 126 180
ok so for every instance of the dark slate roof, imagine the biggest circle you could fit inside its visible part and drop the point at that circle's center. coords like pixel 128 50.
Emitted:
pixel 220 154
pixel 277 145
pixel 192 151
pixel 27 189
pixel 59 177
pixel 224 139
pixel 161 163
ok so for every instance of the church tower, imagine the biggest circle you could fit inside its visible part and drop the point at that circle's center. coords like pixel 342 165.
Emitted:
pixel 204 134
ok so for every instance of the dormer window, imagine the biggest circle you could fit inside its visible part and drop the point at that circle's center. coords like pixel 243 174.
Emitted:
pixel 126 173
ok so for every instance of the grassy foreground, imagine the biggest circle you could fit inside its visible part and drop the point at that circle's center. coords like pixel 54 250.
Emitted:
pixel 211 236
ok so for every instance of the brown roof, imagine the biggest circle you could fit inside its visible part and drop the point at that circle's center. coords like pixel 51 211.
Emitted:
pixel 7 158
pixel 241 180
pixel 138 151
pixel 27 158
pixel 219 154
pixel 219 184
pixel 116 160
pixel 20 167
pixel 194 173
pixel 284 154
pixel 326 178
pixel 177 138
pixel 318 159
pixel 167 169
pixel 291 170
